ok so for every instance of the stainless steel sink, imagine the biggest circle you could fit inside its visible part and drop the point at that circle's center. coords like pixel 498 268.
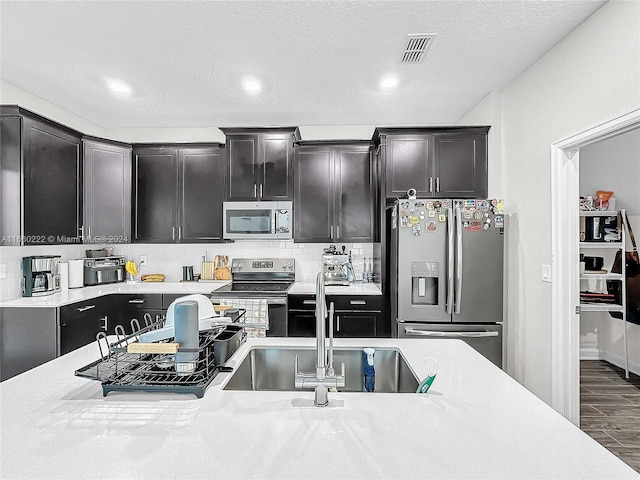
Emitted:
pixel 273 369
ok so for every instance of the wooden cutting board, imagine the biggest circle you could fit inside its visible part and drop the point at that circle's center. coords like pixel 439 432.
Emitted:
pixel 208 271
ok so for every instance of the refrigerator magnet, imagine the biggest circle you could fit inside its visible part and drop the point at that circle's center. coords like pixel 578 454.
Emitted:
pixel 499 221
pixel 442 217
pixel 478 216
pixel 432 226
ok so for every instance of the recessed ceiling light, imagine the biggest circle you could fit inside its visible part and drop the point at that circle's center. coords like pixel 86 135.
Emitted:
pixel 119 87
pixel 251 85
pixel 388 82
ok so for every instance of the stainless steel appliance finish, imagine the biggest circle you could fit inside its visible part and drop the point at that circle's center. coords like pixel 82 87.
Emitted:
pixel 104 270
pixel 262 278
pixel 447 263
pixel 257 220
pixel 335 267
pixel 40 275
pixel 270 369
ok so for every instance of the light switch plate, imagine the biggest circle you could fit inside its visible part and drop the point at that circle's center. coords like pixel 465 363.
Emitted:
pixel 143 260
pixel 546 273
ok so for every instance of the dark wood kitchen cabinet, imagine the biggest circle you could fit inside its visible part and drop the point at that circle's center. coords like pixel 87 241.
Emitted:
pixel 178 193
pixel 443 162
pixel 354 315
pixel 107 192
pixel 80 322
pixel 45 195
pixel 334 192
pixel 259 163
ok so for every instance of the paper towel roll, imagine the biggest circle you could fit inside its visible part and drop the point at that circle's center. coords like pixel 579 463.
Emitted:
pixel 63 270
pixel 76 273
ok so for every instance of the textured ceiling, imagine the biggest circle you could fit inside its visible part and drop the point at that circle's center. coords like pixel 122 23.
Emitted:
pixel 319 61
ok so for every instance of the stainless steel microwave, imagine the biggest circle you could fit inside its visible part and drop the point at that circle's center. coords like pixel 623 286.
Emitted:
pixel 257 220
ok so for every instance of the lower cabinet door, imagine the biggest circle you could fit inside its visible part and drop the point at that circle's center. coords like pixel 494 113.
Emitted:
pixel 356 324
pixel 301 324
pixel 77 332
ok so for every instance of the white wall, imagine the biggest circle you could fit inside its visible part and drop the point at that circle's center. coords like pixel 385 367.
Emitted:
pixel 590 77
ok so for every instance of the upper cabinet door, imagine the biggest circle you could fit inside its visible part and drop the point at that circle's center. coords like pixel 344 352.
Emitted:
pixel 276 168
pixel 52 184
pixel 201 194
pixel 155 206
pixel 107 193
pixel 355 194
pixel 460 166
pixel 409 165
pixel 242 167
pixel 10 182
pixel 313 196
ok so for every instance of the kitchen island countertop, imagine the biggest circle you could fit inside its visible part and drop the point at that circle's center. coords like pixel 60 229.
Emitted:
pixel 475 422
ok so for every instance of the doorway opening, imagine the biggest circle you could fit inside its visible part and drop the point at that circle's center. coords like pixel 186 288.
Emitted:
pixel 565 316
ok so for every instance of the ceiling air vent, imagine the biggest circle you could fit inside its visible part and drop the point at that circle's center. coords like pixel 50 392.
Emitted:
pixel 416 47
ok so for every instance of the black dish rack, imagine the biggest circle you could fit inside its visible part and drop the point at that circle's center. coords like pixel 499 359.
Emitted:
pixel 119 370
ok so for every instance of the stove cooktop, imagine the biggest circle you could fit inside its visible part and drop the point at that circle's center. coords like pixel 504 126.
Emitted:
pixel 254 287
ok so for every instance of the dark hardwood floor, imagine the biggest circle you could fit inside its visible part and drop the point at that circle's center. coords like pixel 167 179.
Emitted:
pixel 610 409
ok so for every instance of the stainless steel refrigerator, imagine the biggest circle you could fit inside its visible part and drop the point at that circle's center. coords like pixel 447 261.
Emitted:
pixel 447 269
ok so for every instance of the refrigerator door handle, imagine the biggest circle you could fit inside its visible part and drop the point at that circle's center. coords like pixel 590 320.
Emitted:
pixel 450 262
pixel 431 333
pixel 458 288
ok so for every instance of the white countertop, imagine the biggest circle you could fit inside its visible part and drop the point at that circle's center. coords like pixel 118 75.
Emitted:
pixel 475 422
pixel 352 289
pixel 74 295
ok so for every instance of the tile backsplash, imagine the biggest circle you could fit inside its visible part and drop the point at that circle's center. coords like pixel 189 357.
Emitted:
pixel 169 259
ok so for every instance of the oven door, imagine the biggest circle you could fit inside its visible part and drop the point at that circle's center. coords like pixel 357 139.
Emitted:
pixel 276 305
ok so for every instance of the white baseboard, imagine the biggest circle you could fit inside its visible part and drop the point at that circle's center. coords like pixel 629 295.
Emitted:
pixel 618 361
pixel 590 353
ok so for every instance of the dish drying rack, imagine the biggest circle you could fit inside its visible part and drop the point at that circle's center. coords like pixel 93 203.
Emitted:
pixel 120 370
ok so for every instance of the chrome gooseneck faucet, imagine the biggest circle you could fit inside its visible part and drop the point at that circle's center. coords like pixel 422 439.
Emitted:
pixel 325 376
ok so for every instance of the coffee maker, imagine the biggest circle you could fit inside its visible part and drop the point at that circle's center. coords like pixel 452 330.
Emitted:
pixel 336 267
pixel 40 275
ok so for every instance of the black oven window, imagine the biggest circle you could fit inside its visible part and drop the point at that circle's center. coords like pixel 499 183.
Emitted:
pixel 249 221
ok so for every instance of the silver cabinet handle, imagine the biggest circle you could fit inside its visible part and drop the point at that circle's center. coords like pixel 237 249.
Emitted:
pixel 437 184
pixel 430 184
pixel 180 233
pixel 84 309
pixel 331 235
pixel 337 323
pixel 255 190
pixel 260 190
pixel 173 233
pixel 431 333
pixel 308 302
pixel 136 300
pixel 337 231
pixel 357 302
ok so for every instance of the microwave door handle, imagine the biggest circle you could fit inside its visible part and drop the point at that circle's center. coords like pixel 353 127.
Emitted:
pixel 274 219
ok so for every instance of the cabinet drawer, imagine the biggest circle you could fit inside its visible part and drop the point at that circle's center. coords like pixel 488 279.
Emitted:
pixel 142 301
pixel 302 302
pixel 356 302
pixel 167 299
pixel 88 308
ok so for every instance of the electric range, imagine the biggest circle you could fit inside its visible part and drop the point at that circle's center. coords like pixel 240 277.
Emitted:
pixel 262 278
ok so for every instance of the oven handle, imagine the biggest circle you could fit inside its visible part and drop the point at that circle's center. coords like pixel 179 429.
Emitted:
pixel 431 333
pixel 270 300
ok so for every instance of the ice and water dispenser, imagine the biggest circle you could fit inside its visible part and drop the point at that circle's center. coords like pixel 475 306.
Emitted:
pixel 424 283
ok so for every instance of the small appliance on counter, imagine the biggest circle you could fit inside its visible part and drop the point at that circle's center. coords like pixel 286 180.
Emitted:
pixel 40 275
pixel 336 267
pixel 99 270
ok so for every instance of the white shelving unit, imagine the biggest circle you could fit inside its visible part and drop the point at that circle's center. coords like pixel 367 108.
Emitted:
pixel 613 247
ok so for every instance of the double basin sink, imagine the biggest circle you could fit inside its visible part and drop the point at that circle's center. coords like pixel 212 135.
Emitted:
pixel 267 368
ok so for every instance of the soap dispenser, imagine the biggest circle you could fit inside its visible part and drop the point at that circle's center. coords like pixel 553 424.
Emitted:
pixel 368 369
